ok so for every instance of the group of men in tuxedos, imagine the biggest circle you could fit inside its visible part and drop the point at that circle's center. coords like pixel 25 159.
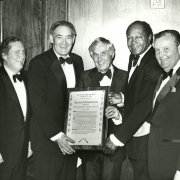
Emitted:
pixel 144 119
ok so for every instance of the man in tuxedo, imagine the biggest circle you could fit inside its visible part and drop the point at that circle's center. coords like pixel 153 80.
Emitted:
pixel 50 74
pixel 98 166
pixel 143 73
pixel 14 111
pixel 164 138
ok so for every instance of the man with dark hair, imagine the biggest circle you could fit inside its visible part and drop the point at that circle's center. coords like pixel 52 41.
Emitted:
pixel 97 165
pixel 14 111
pixel 50 74
pixel 164 138
pixel 143 73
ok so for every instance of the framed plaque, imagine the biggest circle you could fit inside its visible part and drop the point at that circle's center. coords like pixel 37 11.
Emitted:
pixel 86 123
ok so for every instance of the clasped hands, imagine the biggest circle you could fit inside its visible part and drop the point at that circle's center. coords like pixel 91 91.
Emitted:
pixel 63 143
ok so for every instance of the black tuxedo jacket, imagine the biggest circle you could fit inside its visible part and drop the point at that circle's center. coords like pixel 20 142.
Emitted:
pixel 138 98
pixel 14 133
pixel 48 97
pixel 164 138
pixel 89 79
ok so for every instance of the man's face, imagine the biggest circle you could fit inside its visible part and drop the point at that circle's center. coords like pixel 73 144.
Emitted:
pixel 15 57
pixel 62 40
pixel 137 40
pixel 102 58
pixel 167 52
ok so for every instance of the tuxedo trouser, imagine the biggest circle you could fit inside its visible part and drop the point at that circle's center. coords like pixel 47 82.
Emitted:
pixel 140 169
pixel 57 166
pixel 137 150
pixel 102 168
pixel 16 173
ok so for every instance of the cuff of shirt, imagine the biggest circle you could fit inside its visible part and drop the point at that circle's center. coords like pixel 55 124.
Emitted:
pixel 117 121
pixel 57 136
pixel 122 103
pixel 115 140
pixel 177 175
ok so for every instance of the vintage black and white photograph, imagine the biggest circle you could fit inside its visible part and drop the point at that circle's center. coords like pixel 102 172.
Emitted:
pixel 89 90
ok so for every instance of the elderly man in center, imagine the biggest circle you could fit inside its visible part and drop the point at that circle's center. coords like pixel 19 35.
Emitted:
pixel 97 165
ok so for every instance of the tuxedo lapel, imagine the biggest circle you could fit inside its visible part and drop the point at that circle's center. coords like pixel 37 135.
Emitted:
pixel 57 69
pixel 8 84
pixel 156 104
pixel 158 85
pixel 168 87
pixel 76 69
pixel 139 68
pixel 115 79
pixel 94 77
pixel 134 76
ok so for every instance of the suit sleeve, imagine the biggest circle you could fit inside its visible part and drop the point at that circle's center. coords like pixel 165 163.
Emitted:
pixel 142 108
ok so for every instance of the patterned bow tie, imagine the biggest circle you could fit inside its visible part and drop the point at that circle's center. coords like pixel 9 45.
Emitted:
pixel 101 75
pixel 134 59
pixel 168 74
pixel 17 76
pixel 67 60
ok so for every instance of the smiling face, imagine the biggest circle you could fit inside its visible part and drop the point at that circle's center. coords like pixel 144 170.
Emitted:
pixel 137 39
pixel 14 59
pixel 167 52
pixel 62 40
pixel 102 57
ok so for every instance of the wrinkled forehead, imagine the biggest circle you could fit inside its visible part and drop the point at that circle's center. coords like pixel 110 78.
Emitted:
pixel 136 28
pixel 16 45
pixel 100 47
pixel 164 40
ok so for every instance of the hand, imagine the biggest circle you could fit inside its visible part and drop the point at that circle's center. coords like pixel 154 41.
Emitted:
pixel 30 152
pixel 1 159
pixel 64 145
pixel 112 112
pixel 115 98
pixel 109 147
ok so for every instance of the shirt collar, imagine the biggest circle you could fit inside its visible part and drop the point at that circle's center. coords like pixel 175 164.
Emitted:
pixel 141 55
pixel 9 72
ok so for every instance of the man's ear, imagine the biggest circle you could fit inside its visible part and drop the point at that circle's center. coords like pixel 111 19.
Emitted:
pixel 179 49
pixel 51 38
pixel 4 56
pixel 74 39
pixel 150 38
pixel 113 55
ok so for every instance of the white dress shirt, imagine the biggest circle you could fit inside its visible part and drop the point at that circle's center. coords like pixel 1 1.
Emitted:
pixel 70 80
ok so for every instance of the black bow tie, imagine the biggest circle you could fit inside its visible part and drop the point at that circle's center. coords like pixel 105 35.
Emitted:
pixel 134 59
pixel 101 75
pixel 17 76
pixel 168 74
pixel 67 60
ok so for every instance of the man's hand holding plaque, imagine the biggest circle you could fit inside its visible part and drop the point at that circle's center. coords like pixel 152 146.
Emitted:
pixel 63 143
